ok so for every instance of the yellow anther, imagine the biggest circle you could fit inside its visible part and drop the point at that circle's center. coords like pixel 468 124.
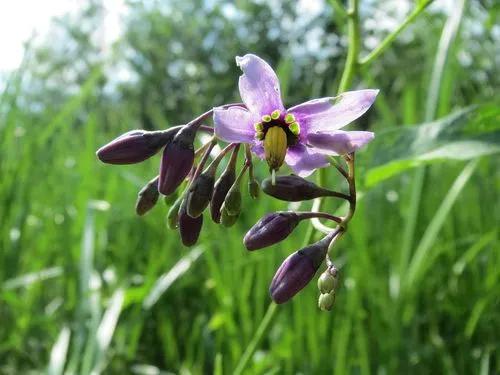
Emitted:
pixel 276 114
pixel 266 118
pixel 275 145
pixel 289 118
pixel 258 126
pixel 259 135
pixel 294 128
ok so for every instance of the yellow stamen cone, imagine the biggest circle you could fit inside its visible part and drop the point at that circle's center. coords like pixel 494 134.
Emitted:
pixel 275 145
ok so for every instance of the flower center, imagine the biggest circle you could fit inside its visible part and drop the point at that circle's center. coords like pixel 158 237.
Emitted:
pixel 278 131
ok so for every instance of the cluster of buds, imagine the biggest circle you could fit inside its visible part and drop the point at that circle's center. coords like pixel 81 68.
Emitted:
pixel 305 137
pixel 298 269
pixel 182 166
pixel 179 170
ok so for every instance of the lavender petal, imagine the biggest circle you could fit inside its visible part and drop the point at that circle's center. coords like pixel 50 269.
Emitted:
pixel 339 142
pixel 259 86
pixel 328 114
pixel 304 160
pixel 234 124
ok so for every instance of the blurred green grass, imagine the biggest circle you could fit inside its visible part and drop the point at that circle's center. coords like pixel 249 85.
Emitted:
pixel 77 266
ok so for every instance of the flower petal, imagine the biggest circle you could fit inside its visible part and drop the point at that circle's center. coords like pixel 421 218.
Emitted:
pixel 327 114
pixel 304 160
pixel 234 124
pixel 259 85
pixel 338 142
pixel 258 149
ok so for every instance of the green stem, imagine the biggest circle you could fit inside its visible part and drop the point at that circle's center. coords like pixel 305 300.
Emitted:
pixel 354 42
pixel 337 7
pixel 392 36
pixel 252 345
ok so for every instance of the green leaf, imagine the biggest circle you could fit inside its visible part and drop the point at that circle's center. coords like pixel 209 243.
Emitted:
pixel 467 134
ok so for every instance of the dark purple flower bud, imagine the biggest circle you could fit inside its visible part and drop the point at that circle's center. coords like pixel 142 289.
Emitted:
pixel 135 146
pixel 177 160
pixel 189 227
pixel 293 188
pixel 222 186
pixel 271 229
pixel 147 197
pixel 199 194
pixel 297 270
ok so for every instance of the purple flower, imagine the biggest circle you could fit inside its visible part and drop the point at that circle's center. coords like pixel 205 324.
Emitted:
pixel 301 136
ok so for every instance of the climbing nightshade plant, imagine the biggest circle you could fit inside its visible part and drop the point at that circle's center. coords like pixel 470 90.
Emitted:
pixel 306 137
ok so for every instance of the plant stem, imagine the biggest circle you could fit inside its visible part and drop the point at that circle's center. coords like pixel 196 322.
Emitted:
pixel 354 42
pixel 212 168
pixel 323 215
pixel 392 36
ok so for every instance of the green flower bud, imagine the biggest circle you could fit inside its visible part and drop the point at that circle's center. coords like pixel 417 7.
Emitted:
pixel 253 188
pixel 226 219
pixel 199 194
pixel 326 301
pixel 173 214
pixel 232 202
pixel 326 282
pixel 147 197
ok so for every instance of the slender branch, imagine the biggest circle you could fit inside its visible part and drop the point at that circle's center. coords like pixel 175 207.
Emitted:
pixel 339 8
pixel 206 129
pixel 212 168
pixel 204 158
pixel 248 159
pixel 392 36
pixel 317 215
pixel 339 168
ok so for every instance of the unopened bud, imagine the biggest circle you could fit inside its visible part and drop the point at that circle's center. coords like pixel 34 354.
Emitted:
pixel 297 270
pixel 147 197
pixel 326 301
pixel 134 146
pixel 173 214
pixel 226 219
pixel 293 188
pixel 326 282
pixel 232 202
pixel 199 194
pixel 189 227
pixel 177 160
pixel 222 186
pixel 253 188
pixel 271 229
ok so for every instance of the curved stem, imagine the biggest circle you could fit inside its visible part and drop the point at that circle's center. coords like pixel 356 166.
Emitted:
pixel 392 36
pixel 212 168
pixel 317 215
pixel 206 129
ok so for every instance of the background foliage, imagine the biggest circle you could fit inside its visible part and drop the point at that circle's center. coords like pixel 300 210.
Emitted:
pixel 87 286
